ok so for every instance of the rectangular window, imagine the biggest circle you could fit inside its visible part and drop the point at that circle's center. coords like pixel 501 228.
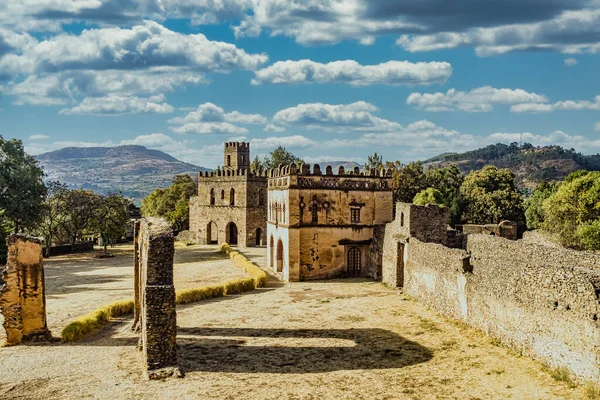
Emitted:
pixel 355 215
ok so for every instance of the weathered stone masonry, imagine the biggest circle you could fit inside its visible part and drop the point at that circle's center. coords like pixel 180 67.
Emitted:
pixel 155 297
pixel 542 301
pixel 231 203
pixel 23 298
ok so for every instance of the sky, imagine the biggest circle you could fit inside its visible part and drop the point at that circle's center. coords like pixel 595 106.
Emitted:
pixel 328 79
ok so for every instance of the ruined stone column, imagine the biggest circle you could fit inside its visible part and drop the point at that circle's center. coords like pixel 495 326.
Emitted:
pixel 137 308
pixel 158 314
pixel 23 298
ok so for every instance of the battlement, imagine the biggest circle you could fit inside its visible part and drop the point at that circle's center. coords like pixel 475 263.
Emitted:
pixel 303 177
pixel 232 173
pixel 240 145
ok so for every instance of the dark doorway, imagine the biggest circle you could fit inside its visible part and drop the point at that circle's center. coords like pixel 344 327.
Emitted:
pixel 272 252
pixel 258 237
pixel 279 256
pixel 354 261
pixel 400 266
pixel 212 233
pixel 232 233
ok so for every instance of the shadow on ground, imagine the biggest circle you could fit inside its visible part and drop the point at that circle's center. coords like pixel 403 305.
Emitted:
pixel 210 350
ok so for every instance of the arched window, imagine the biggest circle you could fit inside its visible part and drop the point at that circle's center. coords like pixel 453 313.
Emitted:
pixel 315 211
pixel 401 219
pixel 232 197
pixel 228 160
pixel 354 261
pixel 222 195
pixel 279 256
pixel 261 197
pixel 212 197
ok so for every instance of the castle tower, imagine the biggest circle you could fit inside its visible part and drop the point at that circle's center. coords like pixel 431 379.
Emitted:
pixel 236 156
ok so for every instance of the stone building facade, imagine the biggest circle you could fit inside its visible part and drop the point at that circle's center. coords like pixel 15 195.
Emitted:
pixel 321 225
pixel 231 202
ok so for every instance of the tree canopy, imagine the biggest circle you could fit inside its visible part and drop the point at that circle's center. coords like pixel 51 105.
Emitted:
pixel 490 196
pixel 172 203
pixel 534 212
pixel 430 196
pixel 279 156
pixel 22 188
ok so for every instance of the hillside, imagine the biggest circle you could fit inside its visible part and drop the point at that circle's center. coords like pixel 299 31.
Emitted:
pixel 133 170
pixel 530 164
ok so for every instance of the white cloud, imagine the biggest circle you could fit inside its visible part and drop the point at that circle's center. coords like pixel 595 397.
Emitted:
pixel 211 119
pixel 351 72
pixel 140 47
pixel 39 137
pixel 289 142
pixel 569 62
pixel 597 126
pixel 354 117
pixel 569 105
pixel 477 100
pixel 119 105
pixel 273 128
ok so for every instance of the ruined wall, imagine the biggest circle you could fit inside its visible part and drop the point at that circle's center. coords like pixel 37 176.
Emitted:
pixel 505 229
pixel 544 302
pixel 156 248
pixel 23 298
pixel 194 218
pixel 426 223
pixel 375 256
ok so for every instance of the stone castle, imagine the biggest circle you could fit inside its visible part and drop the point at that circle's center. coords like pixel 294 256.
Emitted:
pixel 231 202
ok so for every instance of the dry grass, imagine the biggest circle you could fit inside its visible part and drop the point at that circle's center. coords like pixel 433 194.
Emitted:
pixel 256 273
pixel 561 374
pixel 592 391
pixel 198 294
pixel 95 320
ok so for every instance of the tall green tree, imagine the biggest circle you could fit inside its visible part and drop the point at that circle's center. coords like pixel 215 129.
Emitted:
pixel 280 156
pixel 22 188
pixel 110 220
pixel 490 196
pixel 172 203
pixel 407 180
pixel 374 161
pixel 4 229
pixel 573 210
pixel 54 214
pixel 256 164
pixel 430 196
pixel 534 212
pixel 80 211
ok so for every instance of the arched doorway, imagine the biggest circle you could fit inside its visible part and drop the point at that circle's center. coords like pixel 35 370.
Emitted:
pixel 232 233
pixel 279 256
pixel 258 236
pixel 354 261
pixel 212 233
pixel 272 252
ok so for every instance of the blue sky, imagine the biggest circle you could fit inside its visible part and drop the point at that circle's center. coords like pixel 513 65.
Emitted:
pixel 329 80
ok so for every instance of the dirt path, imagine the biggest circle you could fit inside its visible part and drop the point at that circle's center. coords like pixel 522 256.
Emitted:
pixel 348 339
pixel 80 283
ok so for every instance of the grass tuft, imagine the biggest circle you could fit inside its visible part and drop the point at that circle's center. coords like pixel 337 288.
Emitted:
pixel 592 391
pixel 95 320
pixel 561 374
pixel 197 294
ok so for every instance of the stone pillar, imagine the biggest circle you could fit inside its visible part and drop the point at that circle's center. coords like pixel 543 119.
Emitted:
pixel 157 298
pixel 137 308
pixel 22 297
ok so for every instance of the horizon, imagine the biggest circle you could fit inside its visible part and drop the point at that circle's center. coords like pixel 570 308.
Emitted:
pixel 337 81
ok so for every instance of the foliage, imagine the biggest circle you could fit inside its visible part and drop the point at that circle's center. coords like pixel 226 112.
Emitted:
pixel 375 161
pixel 93 321
pixel 4 229
pixel 573 210
pixel 429 196
pixel 407 180
pixel 22 188
pixel 80 207
pixel 278 157
pixel 53 215
pixel 490 196
pixel 110 219
pixel 256 164
pixel 534 213
pixel 172 203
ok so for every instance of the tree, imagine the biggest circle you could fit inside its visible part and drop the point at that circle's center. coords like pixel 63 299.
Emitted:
pixel 374 161
pixel 407 180
pixel 280 156
pixel 22 188
pixel 111 217
pixel 256 165
pixel 4 229
pixel 534 212
pixel 572 210
pixel 80 211
pixel 172 203
pixel 448 181
pixel 490 196
pixel 430 196
pixel 54 213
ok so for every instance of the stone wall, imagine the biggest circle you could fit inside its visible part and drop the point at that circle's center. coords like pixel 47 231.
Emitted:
pixel 156 293
pixel 375 255
pixel 541 301
pixel 22 297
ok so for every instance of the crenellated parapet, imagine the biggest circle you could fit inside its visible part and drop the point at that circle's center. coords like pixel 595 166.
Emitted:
pixel 301 176
pixel 232 173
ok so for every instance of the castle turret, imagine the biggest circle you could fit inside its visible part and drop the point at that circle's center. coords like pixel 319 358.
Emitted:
pixel 237 156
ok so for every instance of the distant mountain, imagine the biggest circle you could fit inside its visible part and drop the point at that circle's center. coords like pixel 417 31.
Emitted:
pixel 530 164
pixel 335 165
pixel 133 170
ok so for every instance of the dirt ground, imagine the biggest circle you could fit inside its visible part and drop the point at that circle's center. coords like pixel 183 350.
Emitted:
pixel 345 339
